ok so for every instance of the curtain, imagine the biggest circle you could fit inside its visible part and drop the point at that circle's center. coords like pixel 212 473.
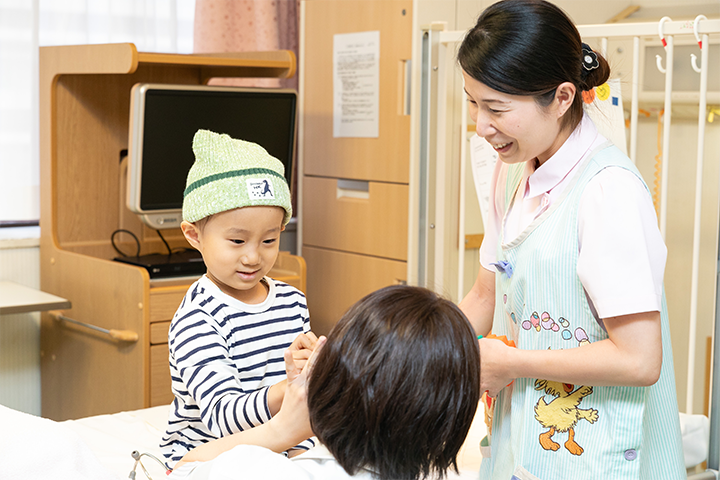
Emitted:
pixel 247 25
pixel 152 25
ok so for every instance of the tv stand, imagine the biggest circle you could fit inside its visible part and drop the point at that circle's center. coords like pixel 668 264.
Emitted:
pixel 84 123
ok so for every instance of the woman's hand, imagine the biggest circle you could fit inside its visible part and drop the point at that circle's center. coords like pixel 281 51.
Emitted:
pixel 293 415
pixel 495 356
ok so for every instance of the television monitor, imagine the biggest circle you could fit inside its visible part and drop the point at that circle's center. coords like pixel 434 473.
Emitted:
pixel 163 121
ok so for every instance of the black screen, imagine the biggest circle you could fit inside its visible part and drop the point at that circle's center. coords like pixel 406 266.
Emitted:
pixel 171 118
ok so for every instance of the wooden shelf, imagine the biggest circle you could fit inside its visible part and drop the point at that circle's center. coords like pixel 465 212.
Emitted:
pixel 84 125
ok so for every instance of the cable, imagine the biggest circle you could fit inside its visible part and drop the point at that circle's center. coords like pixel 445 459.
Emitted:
pixel 170 252
pixel 167 245
pixel 112 241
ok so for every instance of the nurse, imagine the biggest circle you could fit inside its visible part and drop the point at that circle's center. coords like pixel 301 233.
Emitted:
pixel 572 266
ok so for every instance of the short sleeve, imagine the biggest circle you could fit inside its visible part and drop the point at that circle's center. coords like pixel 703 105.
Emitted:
pixel 622 254
pixel 492 221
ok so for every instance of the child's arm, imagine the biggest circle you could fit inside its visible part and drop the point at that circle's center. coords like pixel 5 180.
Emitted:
pixel 202 360
pixel 631 356
pixel 289 427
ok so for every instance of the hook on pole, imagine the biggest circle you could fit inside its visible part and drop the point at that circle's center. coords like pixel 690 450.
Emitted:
pixel 658 62
pixel 661 34
pixel 693 60
pixel 693 57
pixel 695 29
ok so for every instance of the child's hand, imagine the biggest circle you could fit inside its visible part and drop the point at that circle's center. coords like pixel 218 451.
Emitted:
pixel 293 415
pixel 301 349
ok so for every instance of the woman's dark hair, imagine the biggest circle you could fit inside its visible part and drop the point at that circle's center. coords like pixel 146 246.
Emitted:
pixel 530 47
pixel 396 386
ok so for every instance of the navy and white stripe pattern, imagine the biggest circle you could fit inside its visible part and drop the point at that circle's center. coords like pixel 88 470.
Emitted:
pixel 224 356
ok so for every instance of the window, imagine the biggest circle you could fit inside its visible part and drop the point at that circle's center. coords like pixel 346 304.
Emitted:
pixel 152 25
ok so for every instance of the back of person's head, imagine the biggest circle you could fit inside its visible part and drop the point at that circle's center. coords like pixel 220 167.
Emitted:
pixel 530 47
pixel 396 386
pixel 229 173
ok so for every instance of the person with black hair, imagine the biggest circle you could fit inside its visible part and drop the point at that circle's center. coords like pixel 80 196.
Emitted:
pixel 572 266
pixel 391 394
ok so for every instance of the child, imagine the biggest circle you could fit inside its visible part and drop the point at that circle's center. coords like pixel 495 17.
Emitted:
pixel 228 336
pixel 572 266
pixel 391 394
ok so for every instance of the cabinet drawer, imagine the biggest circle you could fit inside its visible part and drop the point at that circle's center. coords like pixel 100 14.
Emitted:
pixel 340 215
pixel 336 280
pixel 164 301
pixel 159 332
pixel 160 390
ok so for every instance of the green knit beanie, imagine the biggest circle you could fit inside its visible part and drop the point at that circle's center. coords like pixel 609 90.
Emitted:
pixel 229 174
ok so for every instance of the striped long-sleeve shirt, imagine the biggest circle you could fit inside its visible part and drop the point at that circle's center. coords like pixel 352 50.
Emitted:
pixel 224 356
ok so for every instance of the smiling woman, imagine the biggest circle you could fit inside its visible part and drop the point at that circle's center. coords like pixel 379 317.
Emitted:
pixel 569 214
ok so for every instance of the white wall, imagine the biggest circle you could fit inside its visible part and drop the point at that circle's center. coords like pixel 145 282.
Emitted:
pixel 20 333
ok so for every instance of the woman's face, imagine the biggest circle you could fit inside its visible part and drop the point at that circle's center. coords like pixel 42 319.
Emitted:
pixel 515 125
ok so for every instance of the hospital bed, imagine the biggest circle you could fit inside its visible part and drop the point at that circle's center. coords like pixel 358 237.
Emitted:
pixel 101 447
pixel 107 447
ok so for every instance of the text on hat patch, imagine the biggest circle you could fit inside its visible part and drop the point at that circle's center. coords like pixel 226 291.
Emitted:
pixel 260 188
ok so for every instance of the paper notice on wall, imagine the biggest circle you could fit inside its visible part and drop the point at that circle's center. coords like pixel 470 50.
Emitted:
pixel 356 84
pixel 482 162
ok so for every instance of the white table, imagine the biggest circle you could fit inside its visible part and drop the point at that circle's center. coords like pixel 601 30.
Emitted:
pixel 15 298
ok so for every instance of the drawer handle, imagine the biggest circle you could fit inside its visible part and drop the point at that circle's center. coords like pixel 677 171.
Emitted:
pixel 353 189
pixel 404 86
pixel 121 335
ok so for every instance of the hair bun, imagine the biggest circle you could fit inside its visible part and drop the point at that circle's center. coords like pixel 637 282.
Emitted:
pixel 595 69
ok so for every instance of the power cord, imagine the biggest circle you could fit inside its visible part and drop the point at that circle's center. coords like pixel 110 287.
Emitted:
pixel 137 243
pixel 170 252
pixel 120 252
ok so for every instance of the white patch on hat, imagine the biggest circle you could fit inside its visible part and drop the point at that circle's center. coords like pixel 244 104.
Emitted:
pixel 260 189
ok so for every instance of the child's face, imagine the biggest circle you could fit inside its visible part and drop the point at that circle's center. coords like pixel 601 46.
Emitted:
pixel 239 248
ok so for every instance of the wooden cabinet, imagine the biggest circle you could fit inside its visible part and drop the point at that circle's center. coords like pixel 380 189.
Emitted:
pixel 84 115
pixel 372 225
pixel 343 278
pixel 354 190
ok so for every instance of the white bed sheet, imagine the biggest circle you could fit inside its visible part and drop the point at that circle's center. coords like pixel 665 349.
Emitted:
pixel 100 447
pixel 112 439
